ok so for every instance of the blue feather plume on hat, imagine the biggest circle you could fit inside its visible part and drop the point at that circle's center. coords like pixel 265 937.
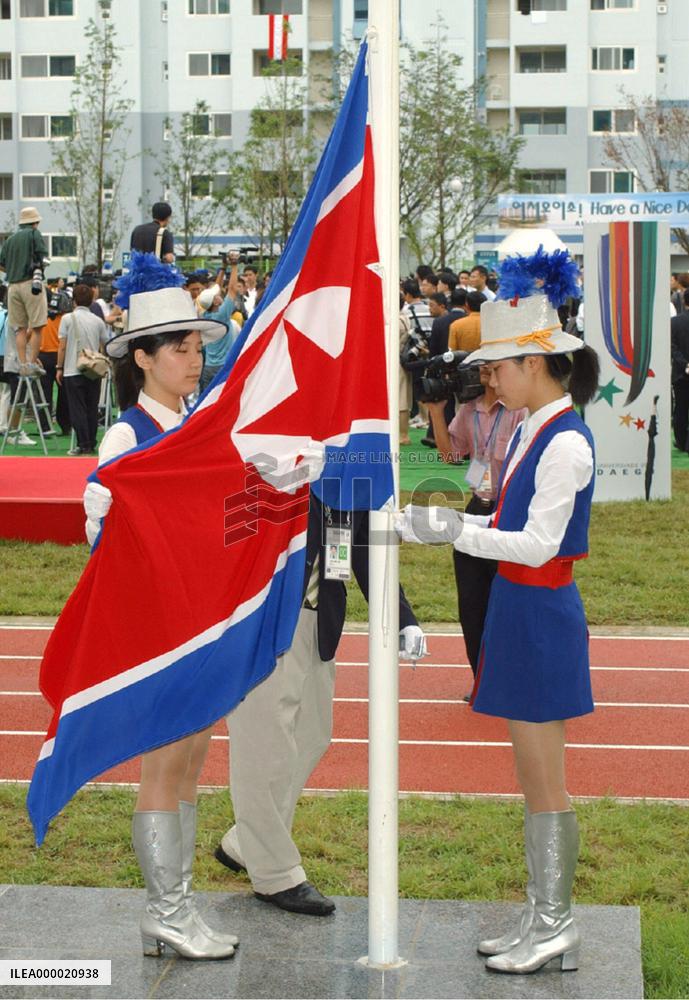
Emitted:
pixel 552 274
pixel 146 273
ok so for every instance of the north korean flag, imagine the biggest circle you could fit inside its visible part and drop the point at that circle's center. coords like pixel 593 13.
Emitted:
pixel 195 585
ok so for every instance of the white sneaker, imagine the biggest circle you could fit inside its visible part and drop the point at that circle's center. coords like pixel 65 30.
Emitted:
pixel 21 438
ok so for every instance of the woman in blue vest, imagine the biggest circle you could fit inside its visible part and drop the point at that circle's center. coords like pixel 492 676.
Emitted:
pixel 158 361
pixel 534 664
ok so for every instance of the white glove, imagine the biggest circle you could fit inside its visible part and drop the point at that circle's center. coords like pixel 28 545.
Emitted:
pixel 428 525
pixel 412 643
pixel 97 500
pixel 287 478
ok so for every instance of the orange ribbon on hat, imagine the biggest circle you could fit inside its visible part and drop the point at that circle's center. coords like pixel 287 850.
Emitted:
pixel 540 337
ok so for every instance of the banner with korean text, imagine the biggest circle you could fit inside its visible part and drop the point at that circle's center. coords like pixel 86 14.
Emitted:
pixel 515 210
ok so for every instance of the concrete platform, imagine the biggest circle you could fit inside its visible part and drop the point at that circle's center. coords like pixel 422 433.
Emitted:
pixel 286 955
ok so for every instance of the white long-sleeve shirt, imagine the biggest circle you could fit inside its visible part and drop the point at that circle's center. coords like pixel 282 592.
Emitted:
pixel 118 439
pixel 564 468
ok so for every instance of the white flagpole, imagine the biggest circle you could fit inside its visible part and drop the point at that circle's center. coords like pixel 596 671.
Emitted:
pixel 383 602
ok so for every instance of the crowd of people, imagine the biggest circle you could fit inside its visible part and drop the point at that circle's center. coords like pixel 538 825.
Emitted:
pixel 45 326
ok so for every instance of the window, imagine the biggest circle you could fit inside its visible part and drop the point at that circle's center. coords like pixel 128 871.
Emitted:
pixel 6 187
pixel 209 64
pixel 292 68
pixel 209 6
pixel 165 72
pixel 33 186
pixel 543 121
pixel 613 59
pixel 47 186
pixel 5 10
pixel 108 188
pixel 542 181
pixel 46 8
pixel 61 186
pixel 542 60
pixel 5 127
pixel 44 66
pixel 163 10
pixel 618 120
pixel 207 185
pixel 61 126
pixel 217 125
pixel 278 6
pixel 662 62
pixel 269 124
pixel 611 182
pixel 5 66
pixel 528 6
pixel 63 246
pixel 613 4
pixel 47 126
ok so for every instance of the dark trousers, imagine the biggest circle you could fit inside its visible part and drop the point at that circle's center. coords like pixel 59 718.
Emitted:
pixel 49 361
pixel 82 398
pixel 680 414
pixel 473 577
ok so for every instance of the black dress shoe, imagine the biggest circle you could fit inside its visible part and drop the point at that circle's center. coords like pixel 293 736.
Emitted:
pixel 224 858
pixel 429 442
pixel 303 898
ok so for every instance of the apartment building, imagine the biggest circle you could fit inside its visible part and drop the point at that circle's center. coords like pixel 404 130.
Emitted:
pixel 555 71
pixel 174 53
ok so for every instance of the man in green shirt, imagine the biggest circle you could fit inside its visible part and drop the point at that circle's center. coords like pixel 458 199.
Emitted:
pixel 28 313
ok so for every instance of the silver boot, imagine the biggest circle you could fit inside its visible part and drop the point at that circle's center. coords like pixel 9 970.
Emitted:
pixel 187 821
pixel 496 946
pixel 553 933
pixel 168 921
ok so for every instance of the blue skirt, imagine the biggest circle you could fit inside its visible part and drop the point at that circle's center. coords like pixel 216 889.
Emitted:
pixel 534 664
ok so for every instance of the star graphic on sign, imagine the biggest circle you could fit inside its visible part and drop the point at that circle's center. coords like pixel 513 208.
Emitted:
pixel 626 420
pixel 639 423
pixel 607 392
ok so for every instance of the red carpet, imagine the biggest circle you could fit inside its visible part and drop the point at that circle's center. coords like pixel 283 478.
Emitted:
pixel 41 498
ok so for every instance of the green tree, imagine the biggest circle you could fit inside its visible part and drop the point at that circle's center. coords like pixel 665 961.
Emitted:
pixel 197 176
pixel 452 165
pixel 650 140
pixel 90 160
pixel 278 158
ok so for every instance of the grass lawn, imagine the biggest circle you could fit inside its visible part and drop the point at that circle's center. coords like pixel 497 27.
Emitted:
pixel 637 573
pixel 458 849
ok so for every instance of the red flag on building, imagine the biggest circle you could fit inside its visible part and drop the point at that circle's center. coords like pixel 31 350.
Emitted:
pixel 278 28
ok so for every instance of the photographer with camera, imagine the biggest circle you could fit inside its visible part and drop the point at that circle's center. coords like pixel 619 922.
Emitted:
pixel 481 429
pixel 22 258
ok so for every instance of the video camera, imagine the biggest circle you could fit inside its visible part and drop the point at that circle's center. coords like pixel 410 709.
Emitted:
pixel 445 376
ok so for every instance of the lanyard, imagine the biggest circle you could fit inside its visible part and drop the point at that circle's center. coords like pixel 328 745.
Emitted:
pixel 492 434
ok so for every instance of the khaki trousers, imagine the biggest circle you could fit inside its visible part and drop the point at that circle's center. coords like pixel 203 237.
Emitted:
pixel 277 736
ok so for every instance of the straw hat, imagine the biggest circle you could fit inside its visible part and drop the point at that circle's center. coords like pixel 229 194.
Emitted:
pixel 523 319
pixel 28 215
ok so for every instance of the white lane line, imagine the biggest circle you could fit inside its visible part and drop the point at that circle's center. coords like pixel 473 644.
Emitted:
pixel 461 666
pixel 20 656
pixel 594 638
pixel 460 702
pixel 476 744
pixel 26 628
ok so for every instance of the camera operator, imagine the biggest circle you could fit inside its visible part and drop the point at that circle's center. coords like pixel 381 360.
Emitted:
pixel 481 429
pixel 59 303
pixel 22 258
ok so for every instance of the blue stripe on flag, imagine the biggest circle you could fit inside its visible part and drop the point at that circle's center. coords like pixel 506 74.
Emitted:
pixel 168 705
pixel 358 474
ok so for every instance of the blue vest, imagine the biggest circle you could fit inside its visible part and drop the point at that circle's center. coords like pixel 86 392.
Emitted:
pixel 142 424
pixel 513 506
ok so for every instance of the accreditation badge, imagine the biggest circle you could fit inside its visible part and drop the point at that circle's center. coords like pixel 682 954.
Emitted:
pixel 478 476
pixel 338 553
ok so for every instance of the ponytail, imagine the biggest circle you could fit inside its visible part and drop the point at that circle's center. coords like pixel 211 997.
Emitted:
pixel 129 377
pixel 578 372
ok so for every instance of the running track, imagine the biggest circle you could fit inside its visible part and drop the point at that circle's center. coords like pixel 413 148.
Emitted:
pixel 635 745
